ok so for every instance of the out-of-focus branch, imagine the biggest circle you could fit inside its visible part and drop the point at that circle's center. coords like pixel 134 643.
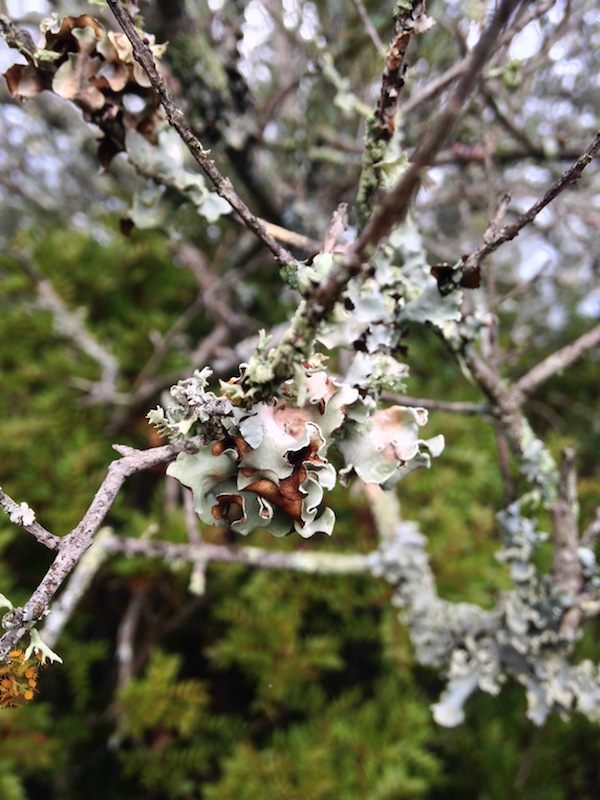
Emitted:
pixel 451 407
pixel 71 325
pixel 435 86
pixel 592 532
pixel 504 403
pixel 126 635
pixel 369 27
pixel 566 567
pixel 558 361
pixel 302 561
pixel 78 583
pixel 176 117
pixel 292 238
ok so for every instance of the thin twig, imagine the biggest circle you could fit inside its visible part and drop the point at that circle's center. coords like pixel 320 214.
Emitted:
pixel 457 407
pixel 435 86
pixel 509 232
pixel 125 650
pixel 78 583
pixel 73 545
pixel 558 361
pixel 176 117
pixel 370 29
pixel 292 238
pixel 15 512
pixel 301 561
pixel 70 324
pixel 395 204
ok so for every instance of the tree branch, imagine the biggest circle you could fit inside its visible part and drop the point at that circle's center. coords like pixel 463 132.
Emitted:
pixel 395 204
pixel 301 561
pixel 73 545
pixel 509 232
pixel 70 324
pixel 451 407
pixel 15 512
pixel 558 361
pixel 222 185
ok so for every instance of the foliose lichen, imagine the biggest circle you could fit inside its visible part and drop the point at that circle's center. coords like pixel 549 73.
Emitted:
pixel 268 464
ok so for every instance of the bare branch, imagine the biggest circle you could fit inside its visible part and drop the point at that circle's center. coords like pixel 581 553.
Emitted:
pixel 15 512
pixel 592 532
pixel 126 634
pixel 395 204
pixel 435 86
pixel 291 238
pixel 504 403
pixel 70 324
pixel 369 27
pixel 509 232
pixel 322 563
pixel 73 545
pixel 222 185
pixel 79 582
pixel 456 407
pixel 558 361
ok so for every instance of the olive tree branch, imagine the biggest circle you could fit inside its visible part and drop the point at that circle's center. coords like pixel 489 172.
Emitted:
pixel 176 117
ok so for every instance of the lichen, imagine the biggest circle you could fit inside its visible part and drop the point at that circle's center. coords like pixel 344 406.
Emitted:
pixel 266 464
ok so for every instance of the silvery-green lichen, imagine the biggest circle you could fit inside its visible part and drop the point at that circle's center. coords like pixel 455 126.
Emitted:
pixel 520 638
pixel 400 289
pixel 266 465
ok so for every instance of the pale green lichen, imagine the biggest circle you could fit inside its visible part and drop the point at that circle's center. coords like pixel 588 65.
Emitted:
pixel 266 464
pixel 401 290
pixel 36 645
pixel 163 159
pixel 478 649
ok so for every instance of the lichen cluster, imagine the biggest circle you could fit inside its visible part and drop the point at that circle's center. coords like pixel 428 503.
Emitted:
pixel 269 464
pixel 520 638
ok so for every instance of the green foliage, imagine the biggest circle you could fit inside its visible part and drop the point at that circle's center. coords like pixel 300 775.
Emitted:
pixel 28 749
pixel 375 746
pixel 157 714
